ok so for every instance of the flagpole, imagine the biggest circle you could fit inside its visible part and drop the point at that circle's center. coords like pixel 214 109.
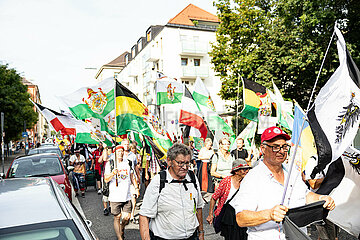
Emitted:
pixel 116 132
pixel 303 123
pixel 237 106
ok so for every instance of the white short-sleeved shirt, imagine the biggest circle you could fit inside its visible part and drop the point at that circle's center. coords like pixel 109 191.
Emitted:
pixel 121 192
pixel 259 191
pixel 172 212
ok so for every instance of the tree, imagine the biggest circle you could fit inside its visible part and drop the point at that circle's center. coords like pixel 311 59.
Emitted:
pixel 284 41
pixel 14 102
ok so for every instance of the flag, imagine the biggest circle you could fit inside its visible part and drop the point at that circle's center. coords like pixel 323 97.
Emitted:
pixel 88 135
pixel 306 145
pixel 95 101
pixel 266 122
pixel 169 91
pixel 60 122
pixel 248 134
pixel 202 97
pixel 342 184
pixel 283 110
pixel 159 134
pixel 131 113
pixel 253 94
pixel 190 114
pixel 194 135
pixel 334 116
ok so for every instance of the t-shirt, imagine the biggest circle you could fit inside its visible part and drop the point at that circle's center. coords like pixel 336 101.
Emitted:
pixel 121 192
pixel 79 166
pixel 96 154
pixel 239 154
pixel 224 166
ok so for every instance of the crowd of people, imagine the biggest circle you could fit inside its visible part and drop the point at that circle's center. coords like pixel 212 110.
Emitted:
pixel 246 187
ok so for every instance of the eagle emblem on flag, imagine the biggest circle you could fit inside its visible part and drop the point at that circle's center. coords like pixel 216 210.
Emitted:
pixel 354 159
pixel 96 101
pixel 170 92
pixel 347 119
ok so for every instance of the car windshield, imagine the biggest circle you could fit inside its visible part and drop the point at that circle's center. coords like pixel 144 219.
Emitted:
pixel 35 166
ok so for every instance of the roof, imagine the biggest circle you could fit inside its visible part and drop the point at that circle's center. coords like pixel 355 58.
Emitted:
pixel 26 82
pixel 118 62
pixel 23 200
pixel 192 12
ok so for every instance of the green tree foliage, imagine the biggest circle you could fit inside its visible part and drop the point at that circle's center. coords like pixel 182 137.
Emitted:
pixel 284 41
pixel 14 102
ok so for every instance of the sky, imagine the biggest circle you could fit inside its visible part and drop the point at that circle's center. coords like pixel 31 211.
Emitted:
pixel 53 43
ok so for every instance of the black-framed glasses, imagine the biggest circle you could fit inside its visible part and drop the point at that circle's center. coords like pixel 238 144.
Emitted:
pixel 181 164
pixel 277 148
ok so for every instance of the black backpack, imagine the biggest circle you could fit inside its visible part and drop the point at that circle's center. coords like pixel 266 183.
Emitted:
pixel 163 180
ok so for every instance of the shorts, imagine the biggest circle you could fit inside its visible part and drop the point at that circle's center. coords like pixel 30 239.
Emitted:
pixel 120 207
pixel 97 175
pixel 105 198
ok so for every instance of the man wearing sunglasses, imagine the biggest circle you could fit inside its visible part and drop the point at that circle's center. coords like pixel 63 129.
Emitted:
pixel 258 203
pixel 173 210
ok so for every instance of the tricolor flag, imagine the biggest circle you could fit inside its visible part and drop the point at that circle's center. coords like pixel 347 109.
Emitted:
pixel 131 113
pixel 202 97
pixel 248 134
pixel 59 121
pixel 254 94
pixel 95 101
pixel 159 134
pixel 169 91
pixel 283 110
pixel 334 118
pixel 342 184
pixel 88 135
pixel 190 114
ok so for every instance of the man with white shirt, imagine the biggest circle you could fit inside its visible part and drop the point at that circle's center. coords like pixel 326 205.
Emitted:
pixel 120 176
pixel 257 204
pixel 172 204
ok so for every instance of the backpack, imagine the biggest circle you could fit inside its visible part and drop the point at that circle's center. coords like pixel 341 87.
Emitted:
pixel 163 180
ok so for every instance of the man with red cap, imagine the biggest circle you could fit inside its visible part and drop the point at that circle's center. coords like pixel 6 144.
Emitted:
pixel 258 202
pixel 119 174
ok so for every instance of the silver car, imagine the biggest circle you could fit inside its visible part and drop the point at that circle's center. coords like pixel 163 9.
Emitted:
pixel 37 208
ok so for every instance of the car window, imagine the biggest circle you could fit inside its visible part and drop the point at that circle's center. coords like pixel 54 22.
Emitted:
pixel 39 166
pixel 57 151
pixel 60 230
pixel 33 151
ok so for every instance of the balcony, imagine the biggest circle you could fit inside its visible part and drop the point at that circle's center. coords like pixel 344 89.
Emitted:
pixel 195 71
pixel 152 54
pixel 191 47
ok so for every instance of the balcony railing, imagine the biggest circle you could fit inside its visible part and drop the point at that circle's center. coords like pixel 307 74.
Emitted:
pixel 195 71
pixel 194 47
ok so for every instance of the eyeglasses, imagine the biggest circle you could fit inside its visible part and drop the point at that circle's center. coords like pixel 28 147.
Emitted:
pixel 284 147
pixel 181 164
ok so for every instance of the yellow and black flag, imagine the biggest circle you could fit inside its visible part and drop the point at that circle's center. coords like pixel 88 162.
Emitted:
pixel 131 113
pixel 253 93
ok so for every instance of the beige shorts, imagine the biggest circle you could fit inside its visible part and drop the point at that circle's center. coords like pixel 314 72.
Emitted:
pixel 120 207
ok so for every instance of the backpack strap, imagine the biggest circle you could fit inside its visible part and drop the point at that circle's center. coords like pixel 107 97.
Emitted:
pixel 193 179
pixel 162 180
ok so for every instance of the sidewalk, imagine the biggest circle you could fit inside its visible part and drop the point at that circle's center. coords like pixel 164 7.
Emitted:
pixel 8 160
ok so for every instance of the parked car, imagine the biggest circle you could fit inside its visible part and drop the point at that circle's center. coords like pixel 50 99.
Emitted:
pixel 37 208
pixel 48 149
pixel 41 165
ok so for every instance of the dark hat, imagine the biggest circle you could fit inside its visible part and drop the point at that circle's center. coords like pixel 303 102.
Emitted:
pixel 239 164
pixel 273 132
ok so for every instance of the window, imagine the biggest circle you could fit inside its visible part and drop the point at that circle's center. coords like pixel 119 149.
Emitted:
pixel 139 45
pixel 185 82
pixel 126 59
pixel 184 61
pixel 148 35
pixel 133 52
pixel 196 62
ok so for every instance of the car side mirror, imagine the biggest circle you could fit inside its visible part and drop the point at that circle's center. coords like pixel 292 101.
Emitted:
pixel 70 168
pixel 88 223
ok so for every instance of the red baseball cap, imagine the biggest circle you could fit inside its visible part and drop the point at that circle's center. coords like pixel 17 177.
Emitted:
pixel 118 147
pixel 273 132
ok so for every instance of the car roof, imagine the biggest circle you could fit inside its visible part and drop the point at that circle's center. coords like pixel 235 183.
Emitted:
pixel 28 201
pixel 38 155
